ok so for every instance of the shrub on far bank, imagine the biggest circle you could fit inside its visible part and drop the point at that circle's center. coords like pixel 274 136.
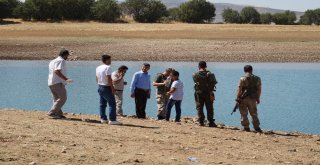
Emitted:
pixel 311 17
pixel 231 16
pixel 106 10
pixel 286 18
pixel 197 11
pixel 250 15
pixel 7 7
pixel 266 18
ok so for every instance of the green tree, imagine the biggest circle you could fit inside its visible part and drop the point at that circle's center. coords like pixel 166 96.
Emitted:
pixel 197 11
pixel 231 16
pixel 286 18
pixel 77 9
pixel 266 18
pixel 174 13
pixel 7 7
pixel 106 10
pixel 146 10
pixel 308 18
pixel 250 15
pixel 317 16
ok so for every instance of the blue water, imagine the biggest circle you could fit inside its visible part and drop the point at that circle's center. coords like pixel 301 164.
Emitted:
pixel 290 97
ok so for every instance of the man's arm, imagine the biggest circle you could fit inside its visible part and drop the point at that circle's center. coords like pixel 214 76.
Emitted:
pixel 109 79
pixel 117 79
pixel 172 90
pixel 60 74
pixel 133 84
pixel 259 93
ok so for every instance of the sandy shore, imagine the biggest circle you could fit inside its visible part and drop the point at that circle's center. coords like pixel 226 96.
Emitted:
pixel 31 137
pixel 161 42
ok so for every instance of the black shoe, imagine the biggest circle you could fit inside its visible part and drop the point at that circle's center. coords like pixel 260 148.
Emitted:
pixel 246 129
pixel 201 124
pixel 161 118
pixel 258 129
pixel 212 124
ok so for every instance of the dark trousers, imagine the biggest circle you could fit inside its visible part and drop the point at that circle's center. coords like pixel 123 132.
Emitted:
pixel 106 96
pixel 201 100
pixel 141 97
pixel 170 104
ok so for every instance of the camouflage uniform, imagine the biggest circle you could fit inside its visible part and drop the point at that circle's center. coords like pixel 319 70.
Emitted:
pixel 162 97
pixel 250 83
pixel 205 82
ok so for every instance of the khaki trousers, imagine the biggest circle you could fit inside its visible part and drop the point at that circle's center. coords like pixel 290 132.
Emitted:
pixel 249 105
pixel 59 95
pixel 119 101
pixel 162 100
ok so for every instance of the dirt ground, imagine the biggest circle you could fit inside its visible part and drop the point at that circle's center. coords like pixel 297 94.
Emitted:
pixel 161 42
pixel 30 137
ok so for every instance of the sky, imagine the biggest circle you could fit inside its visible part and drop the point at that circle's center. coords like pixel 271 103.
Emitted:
pixel 294 5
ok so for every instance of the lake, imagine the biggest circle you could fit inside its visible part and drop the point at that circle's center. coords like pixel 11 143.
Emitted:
pixel 290 92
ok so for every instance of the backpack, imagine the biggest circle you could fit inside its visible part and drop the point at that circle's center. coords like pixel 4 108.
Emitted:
pixel 252 88
pixel 204 82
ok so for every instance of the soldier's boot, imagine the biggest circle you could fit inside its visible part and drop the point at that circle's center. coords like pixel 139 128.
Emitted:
pixel 201 123
pixel 258 129
pixel 247 129
pixel 212 124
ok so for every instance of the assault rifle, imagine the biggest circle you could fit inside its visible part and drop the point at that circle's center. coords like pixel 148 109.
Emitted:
pixel 238 100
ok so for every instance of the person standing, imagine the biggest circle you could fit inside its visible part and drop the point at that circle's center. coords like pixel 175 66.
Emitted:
pixel 162 81
pixel 205 82
pixel 251 85
pixel 176 96
pixel 141 90
pixel 106 91
pixel 57 80
pixel 118 84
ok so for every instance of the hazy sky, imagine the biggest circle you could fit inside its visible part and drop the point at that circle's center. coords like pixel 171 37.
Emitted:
pixel 297 5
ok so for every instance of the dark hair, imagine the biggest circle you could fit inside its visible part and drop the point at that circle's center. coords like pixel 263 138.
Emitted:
pixel 247 68
pixel 105 58
pixel 146 64
pixel 123 67
pixel 63 52
pixel 169 70
pixel 202 64
pixel 175 73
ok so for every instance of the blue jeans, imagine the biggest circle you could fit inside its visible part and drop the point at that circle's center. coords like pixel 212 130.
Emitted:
pixel 170 104
pixel 106 96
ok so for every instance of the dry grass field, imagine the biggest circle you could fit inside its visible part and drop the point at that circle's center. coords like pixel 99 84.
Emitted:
pixel 162 42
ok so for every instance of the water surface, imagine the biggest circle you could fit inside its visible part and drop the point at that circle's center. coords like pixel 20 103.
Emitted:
pixel 290 92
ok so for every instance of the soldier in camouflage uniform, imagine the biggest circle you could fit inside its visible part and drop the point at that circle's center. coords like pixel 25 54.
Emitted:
pixel 163 82
pixel 205 82
pixel 251 84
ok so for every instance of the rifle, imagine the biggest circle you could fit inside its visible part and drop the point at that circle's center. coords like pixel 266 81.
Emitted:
pixel 238 100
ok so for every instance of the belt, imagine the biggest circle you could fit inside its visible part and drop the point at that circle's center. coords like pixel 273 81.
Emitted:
pixel 140 89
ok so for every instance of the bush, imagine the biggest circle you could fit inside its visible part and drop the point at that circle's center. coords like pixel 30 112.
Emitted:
pixel 174 14
pixel 106 10
pixel 311 17
pixel 231 16
pixel 7 7
pixel 146 11
pixel 266 18
pixel 250 15
pixel 197 11
pixel 286 18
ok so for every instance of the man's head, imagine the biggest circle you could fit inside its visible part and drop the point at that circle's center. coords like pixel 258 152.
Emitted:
pixel 106 59
pixel 145 67
pixel 64 53
pixel 123 69
pixel 168 71
pixel 202 65
pixel 175 75
pixel 248 69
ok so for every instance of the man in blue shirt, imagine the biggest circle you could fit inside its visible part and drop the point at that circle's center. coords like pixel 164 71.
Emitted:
pixel 141 90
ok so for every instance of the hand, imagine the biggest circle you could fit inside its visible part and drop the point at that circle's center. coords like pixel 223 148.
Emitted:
pixel 168 93
pixel 69 81
pixel 258 100
pixel 132 95
pixel 113 91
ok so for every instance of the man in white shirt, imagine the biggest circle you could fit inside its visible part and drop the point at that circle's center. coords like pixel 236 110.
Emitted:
pixel 106 91
pixel 118 84
pixel 176 96
pixel 57 80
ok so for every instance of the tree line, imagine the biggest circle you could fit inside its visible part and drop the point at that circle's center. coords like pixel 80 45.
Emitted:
pixel 251 15
pixel 144 11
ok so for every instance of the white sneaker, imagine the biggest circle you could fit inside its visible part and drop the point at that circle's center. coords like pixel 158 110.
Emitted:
pixel 104 121
pixel 115 123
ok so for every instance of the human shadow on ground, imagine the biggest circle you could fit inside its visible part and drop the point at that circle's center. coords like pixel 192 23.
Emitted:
pixel 5 22
pixel 98 122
